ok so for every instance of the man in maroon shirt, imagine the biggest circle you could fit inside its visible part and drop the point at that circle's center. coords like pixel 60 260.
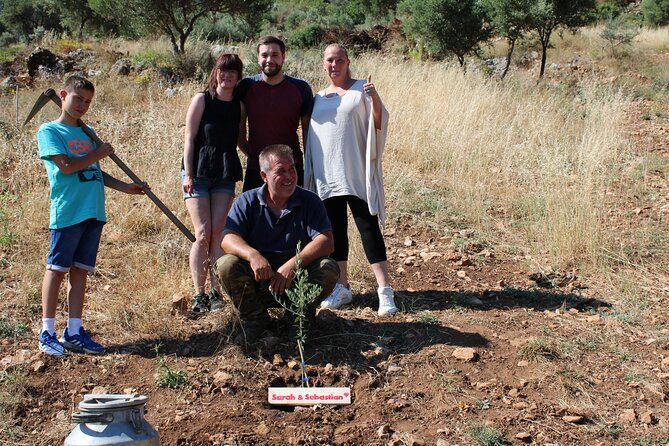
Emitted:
pixel 276 104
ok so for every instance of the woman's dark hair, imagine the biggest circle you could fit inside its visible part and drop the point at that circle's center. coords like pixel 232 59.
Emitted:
pixel 226 61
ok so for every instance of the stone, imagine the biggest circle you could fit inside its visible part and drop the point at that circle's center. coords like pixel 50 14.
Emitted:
pixel 40 57
pixel 100 390
pixel 328 367
pixel 523 363
pixel 179 304
pixel 656 391
pixel 39 366
pixel 647 417
pixel 222 379
pixel 394 368
pixel 465 354
pixel 574 419
pixel 665 363
pixel 523 435
pixel 627 416
pixel 292 364
pixel 277 360
pixel 383 431
pixel 461 274
pixel 121 67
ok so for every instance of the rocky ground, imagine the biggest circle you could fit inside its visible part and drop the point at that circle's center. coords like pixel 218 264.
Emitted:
pixel 487 349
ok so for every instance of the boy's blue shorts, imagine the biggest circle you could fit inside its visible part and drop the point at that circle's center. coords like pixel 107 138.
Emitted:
pixel 201 190
pixel 75 245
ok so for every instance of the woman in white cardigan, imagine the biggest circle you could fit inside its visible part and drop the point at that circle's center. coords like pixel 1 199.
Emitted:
pixel 345 142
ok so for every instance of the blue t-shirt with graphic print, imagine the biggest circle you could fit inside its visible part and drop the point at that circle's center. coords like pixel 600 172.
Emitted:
pixel 77 196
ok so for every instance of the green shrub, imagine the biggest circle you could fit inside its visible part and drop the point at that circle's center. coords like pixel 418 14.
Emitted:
pixel 305 36
pixel 655 12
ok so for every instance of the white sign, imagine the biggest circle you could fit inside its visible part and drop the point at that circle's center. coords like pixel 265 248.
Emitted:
pixel 308 396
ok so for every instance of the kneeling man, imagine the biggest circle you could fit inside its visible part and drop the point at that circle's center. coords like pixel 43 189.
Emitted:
pixel 261 234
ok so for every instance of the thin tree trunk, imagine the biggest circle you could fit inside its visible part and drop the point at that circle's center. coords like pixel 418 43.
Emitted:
pixel 512 44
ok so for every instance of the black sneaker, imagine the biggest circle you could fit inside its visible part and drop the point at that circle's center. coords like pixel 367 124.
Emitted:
pixel 215 301
pixel 200 304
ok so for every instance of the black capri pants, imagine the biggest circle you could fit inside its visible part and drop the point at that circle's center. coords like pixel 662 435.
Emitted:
pixel 368 226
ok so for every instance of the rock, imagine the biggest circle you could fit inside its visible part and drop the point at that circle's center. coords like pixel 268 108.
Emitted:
pixel 513 393
pixel 665 363
pixel 442 442
pixel 40 57
pixel 574 419
pixel 383 431
pixel 627 416
pixel 408 242
pixel 39 366
pixel 328 367
pixel 523 363
pixel 647 417
pixel 121 67
pixel 9 83
pixel 222 379
pixel 277 360
pixel 656 391
pixel 292 364
pixel 393 368
pixel 99 390
pixel 462 274
pixel 523 436
pixel 410 260
pixel 179 304
pixel 465 354
pixel 262 430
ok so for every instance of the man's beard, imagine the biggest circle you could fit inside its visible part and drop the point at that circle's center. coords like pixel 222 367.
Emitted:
pixel 272 71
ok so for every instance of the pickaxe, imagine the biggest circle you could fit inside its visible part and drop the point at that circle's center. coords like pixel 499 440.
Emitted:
pixel 50 95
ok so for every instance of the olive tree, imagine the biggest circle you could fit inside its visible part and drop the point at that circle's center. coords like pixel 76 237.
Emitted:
pixel 547 16
pixel 175 18
pixel 655 12
pixel 510 19
pixel 446 26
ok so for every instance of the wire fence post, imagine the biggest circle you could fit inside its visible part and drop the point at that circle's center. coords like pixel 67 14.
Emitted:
pixel 17 106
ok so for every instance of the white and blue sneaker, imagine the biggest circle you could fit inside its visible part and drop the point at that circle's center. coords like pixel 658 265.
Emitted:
pixel 81 342
pixel 48 343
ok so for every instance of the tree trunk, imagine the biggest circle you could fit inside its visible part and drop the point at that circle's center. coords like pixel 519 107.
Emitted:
pixel 173 41
pixel 545 39
pixel 512 44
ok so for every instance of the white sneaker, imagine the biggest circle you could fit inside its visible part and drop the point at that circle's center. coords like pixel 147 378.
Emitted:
pixel 386 301
pixel 341 295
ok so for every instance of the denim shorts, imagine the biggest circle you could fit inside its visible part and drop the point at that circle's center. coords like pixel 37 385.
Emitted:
pixel 204 190
pixel 75 245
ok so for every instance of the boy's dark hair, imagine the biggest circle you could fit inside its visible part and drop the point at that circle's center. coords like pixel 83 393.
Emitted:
pixel 226 61
pixel 76 81
pixel 274 151
pixel 266 40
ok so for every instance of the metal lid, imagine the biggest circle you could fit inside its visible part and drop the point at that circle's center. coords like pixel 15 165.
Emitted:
pixel 97 402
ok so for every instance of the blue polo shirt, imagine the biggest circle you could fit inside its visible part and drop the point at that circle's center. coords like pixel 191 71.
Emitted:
pixel 276 238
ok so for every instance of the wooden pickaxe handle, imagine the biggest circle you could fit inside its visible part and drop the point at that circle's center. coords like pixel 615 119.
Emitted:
pixel 51 93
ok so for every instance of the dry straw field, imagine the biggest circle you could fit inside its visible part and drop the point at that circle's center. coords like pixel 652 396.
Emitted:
pixel 535 171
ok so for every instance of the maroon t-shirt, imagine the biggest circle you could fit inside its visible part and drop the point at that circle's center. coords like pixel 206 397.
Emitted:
pixel 274 113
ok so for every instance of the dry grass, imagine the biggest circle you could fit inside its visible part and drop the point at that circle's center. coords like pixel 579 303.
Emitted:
pixel 524 165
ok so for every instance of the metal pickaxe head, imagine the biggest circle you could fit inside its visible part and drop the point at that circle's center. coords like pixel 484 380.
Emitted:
pixel 48 95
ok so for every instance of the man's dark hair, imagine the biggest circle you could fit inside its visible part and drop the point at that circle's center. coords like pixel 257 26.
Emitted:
pixel 274 151
pixel 266 40
pixel 76 82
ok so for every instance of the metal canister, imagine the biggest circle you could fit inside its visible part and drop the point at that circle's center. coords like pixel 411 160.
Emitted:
pixel 112 420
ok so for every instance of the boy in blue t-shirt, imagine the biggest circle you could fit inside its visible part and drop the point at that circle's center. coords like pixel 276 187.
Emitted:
pixel 77 215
